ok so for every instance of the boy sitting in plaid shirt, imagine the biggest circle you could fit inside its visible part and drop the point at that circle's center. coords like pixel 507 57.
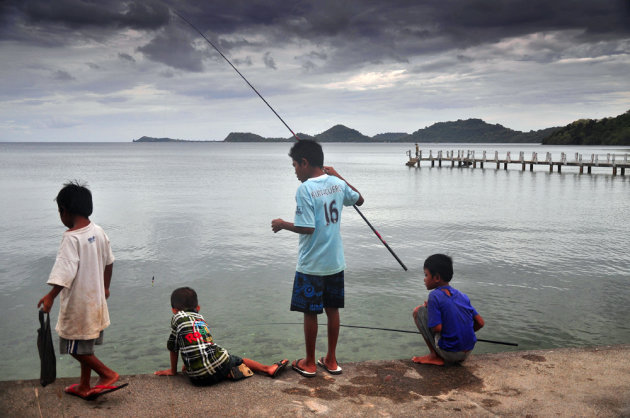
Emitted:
pixel 205 363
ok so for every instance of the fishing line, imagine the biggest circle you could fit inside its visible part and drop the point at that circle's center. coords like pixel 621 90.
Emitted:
pixel 392 330
pixel 285 124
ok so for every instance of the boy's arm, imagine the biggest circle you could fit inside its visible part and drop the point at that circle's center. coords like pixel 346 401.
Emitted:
pixel 108 278
pixel 332 172
pixel 280 224
pixel 173 370
pixel 478 322
pixel 437 329
pixel 47 301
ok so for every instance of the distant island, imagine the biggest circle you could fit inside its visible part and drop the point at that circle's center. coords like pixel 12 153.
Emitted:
pixel 607 131
pixel 150 139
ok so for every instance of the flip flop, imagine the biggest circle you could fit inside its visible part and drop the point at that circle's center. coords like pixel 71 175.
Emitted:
pixel 301 371
pixel 99 390
pixel 321 364
pixel 281 365
pixel 71 391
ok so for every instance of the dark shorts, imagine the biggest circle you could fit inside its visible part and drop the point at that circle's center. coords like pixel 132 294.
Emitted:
pixel 79 347
pixel 220 375
pixel 311 294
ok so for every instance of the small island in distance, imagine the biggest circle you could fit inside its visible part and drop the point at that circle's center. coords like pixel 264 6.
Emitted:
pixel 607 131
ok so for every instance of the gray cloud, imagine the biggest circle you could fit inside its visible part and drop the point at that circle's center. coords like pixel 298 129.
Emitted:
pixel 409 62
pixel 78 14
pixel 357 32
pixel 173 47
pixel 61 75
pixel 309 66
pixel 126 57
pixel 247 61
pixel 268 60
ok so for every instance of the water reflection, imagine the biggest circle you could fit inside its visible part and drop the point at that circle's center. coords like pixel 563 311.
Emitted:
pixel 544 257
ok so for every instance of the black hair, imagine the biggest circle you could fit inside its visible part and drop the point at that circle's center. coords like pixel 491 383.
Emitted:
pixel 308 149
pixel 75 198
pixel 184 299
pixel 440 265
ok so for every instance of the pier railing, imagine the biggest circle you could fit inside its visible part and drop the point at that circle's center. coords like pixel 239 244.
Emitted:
pixel 468 158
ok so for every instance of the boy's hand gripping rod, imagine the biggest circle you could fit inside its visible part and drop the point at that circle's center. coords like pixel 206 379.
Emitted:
pixel 285 124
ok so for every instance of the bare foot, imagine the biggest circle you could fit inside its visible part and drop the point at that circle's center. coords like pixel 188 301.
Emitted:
pixel 301 364
pixel 428 359
pixel 108 380
pixel 276 368
pixel 77 390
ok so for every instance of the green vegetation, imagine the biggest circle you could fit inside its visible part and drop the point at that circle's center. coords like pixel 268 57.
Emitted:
pixel 474 130
pixel 389 136
pixel 249 137
pixel 340 133
pixel 607 131
pixel 471 130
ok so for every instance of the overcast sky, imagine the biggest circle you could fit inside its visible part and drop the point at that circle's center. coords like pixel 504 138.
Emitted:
pixel 109 70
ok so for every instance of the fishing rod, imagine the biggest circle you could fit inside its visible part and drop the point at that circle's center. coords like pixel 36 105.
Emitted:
pixel 285 124
pixel 394 330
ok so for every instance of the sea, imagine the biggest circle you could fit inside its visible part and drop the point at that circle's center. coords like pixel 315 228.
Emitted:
pixel 544 257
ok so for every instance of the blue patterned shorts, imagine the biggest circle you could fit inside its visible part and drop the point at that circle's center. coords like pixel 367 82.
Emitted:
pixel 311 294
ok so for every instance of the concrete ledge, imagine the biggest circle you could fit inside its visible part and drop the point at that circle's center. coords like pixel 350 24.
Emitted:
pixel 565 382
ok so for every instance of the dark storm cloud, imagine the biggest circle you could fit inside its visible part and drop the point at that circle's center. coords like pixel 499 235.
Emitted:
pixel 172 47
pixel 354 33
pixel 61 22
pixel 77 14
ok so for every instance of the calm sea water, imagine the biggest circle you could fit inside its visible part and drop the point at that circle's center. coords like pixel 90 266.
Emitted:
pixel 545 258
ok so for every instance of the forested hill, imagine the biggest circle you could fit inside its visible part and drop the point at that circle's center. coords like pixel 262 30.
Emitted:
pixel 471 130
pixel 474 130
pixel 607 131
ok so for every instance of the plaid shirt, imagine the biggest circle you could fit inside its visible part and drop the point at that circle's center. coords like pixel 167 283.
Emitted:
pixel 191 337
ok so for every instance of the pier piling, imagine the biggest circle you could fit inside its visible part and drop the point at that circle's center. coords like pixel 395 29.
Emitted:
pixel 618 162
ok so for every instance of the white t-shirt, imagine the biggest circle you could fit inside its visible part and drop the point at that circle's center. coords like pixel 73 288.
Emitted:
pixel 79 269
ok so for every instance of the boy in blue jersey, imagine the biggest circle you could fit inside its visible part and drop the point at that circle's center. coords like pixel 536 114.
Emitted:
pixel 319 278
pixel 447 321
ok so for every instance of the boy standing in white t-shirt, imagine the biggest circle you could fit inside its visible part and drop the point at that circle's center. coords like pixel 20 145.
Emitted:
pixel 319 275
pixel 81 275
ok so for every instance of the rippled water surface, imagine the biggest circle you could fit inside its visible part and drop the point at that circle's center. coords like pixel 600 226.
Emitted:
pixel 545 258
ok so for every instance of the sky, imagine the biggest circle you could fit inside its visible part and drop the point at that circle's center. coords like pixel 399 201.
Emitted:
pixel 110 70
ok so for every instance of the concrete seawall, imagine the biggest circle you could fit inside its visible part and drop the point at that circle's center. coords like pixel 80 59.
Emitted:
pixel 561 382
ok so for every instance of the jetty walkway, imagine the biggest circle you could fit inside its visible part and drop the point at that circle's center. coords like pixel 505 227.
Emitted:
pixel 584 382
pixel 618 162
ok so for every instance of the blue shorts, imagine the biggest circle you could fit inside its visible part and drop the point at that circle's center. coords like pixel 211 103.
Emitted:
pixel 311 294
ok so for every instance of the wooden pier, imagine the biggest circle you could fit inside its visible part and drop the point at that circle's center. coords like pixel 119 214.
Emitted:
pixel 618 162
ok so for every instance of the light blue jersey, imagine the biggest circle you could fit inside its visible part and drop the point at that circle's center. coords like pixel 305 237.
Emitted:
pixel 319 203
